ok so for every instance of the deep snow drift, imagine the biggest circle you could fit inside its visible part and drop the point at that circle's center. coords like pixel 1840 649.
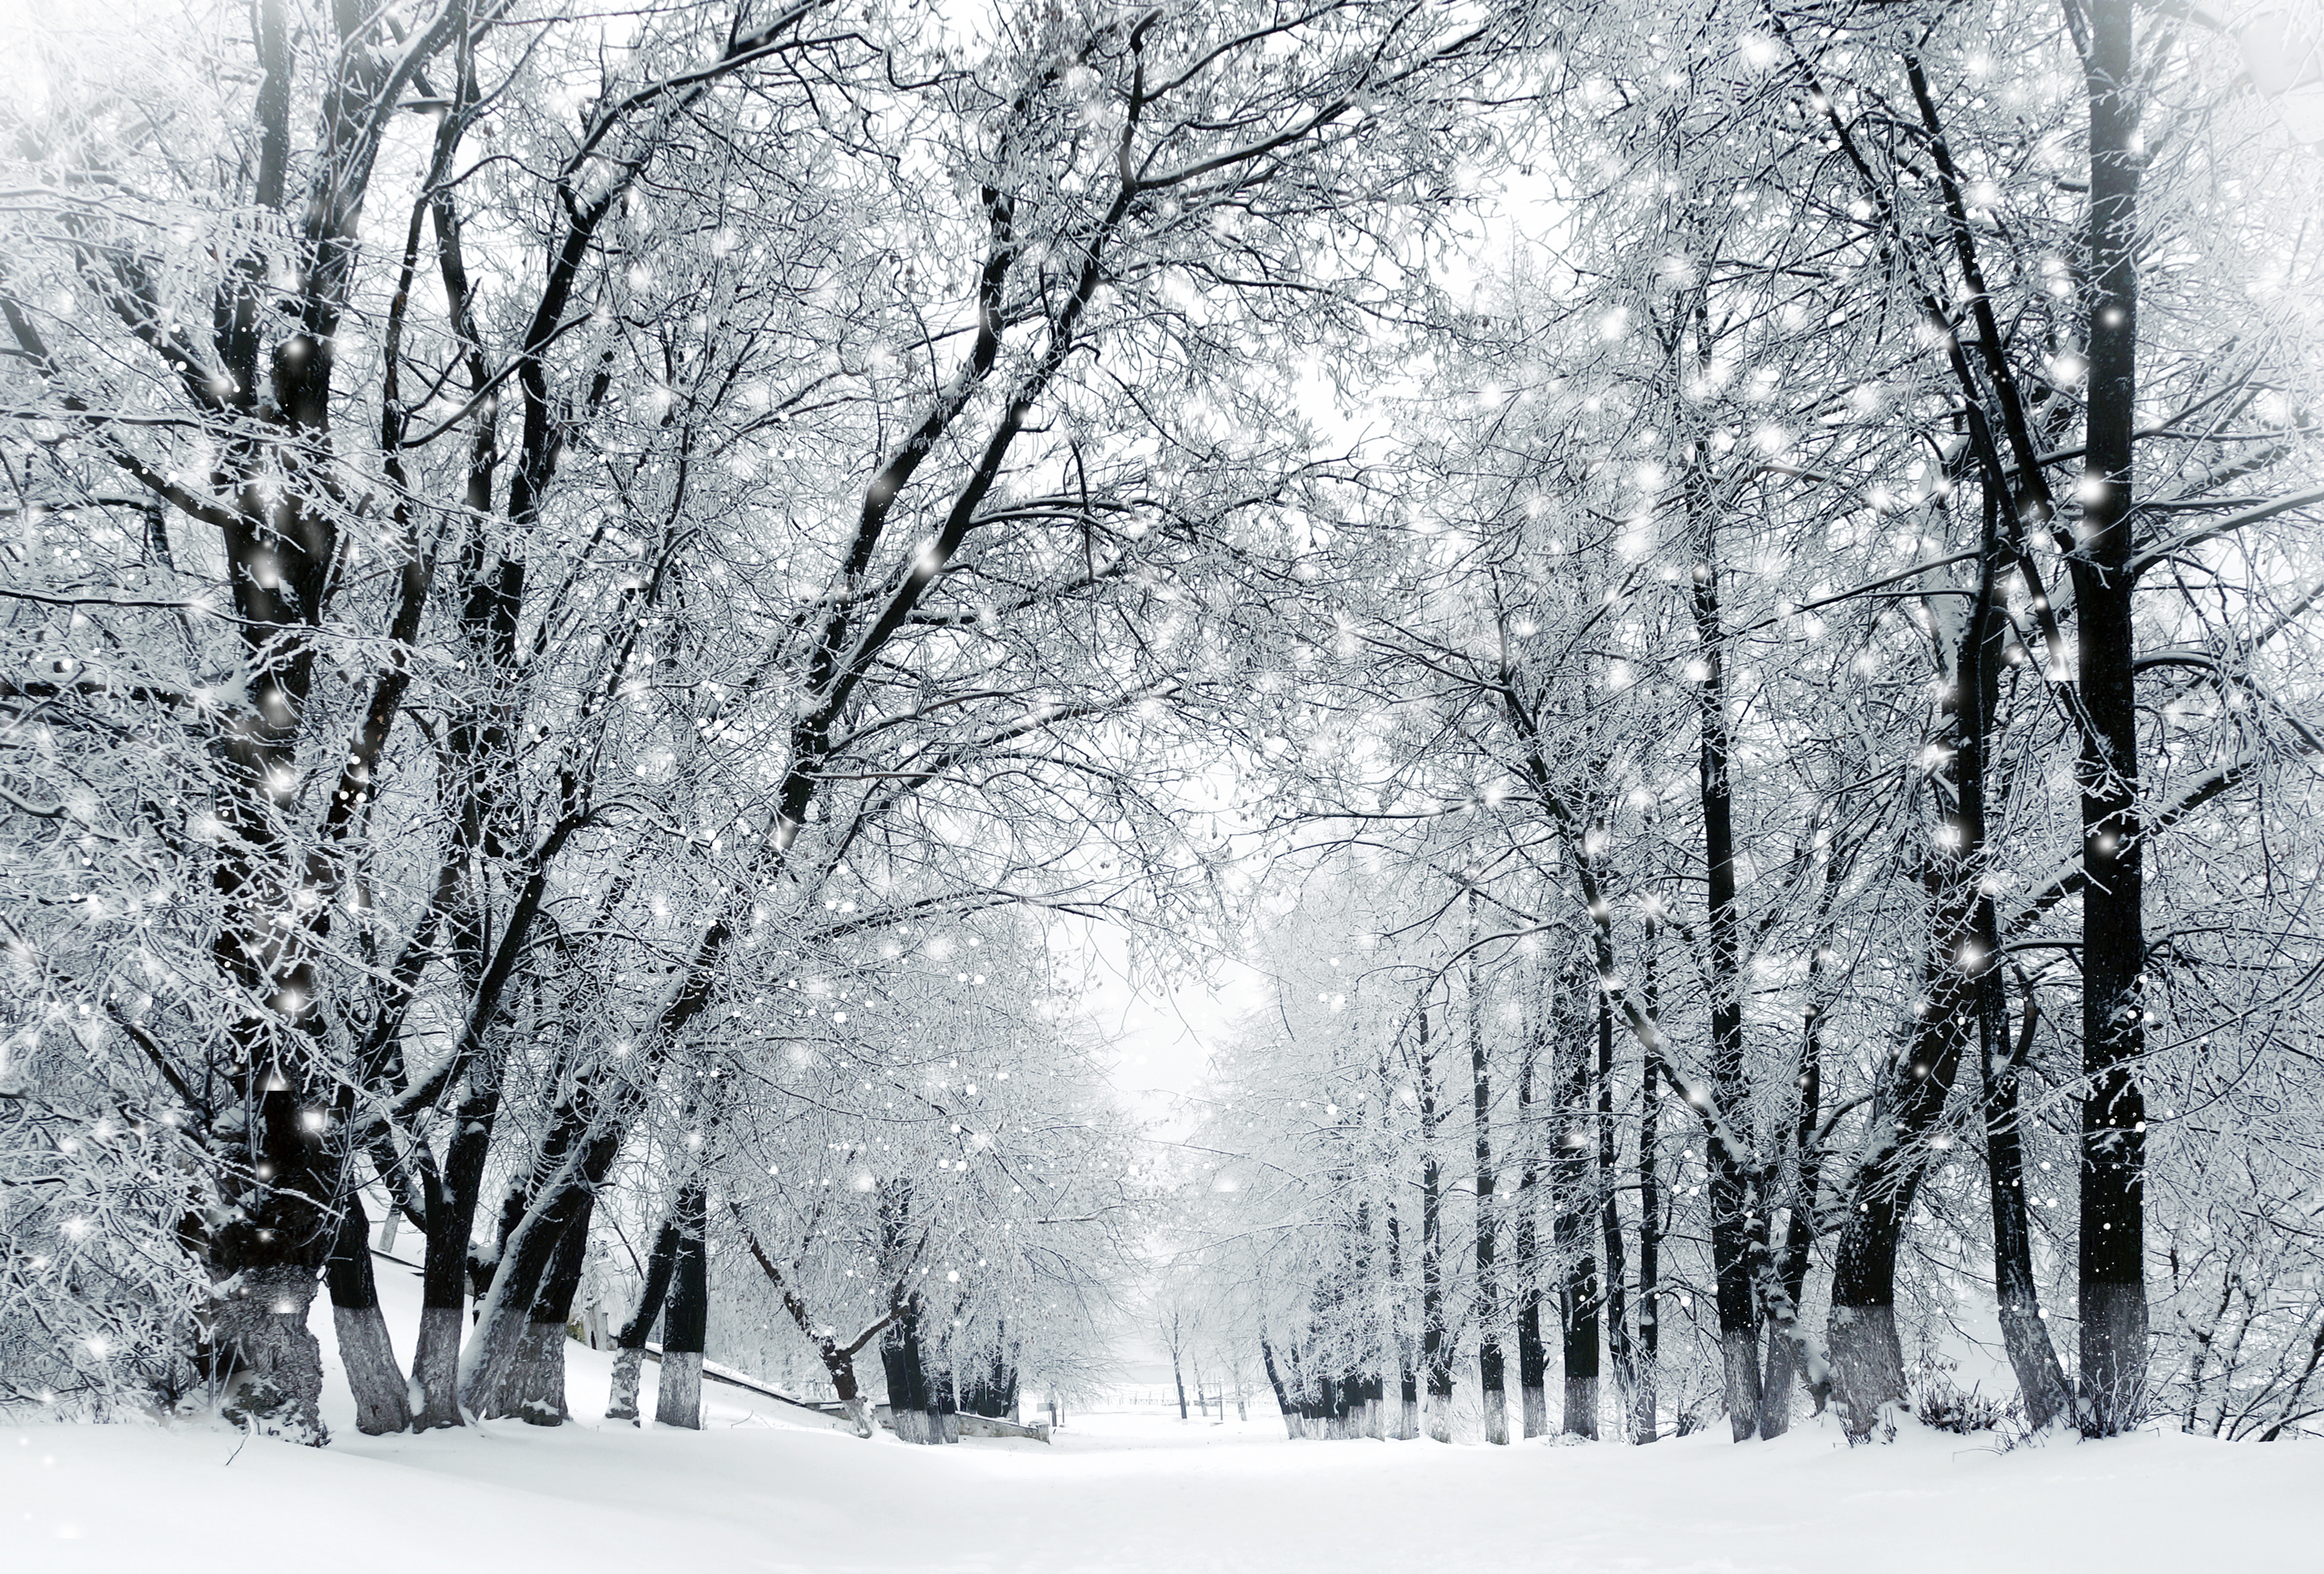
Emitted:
pixel 1127 1491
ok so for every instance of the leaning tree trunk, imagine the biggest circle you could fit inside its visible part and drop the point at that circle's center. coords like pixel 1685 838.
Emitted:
pixel 1960 971
pixel 2024 1333
pixel 504 1318
pixel 383 1398
pixel 630 1343
pixel 677 1400
pixel 533 1388
pixel 2111 1264
pixel 1867 1358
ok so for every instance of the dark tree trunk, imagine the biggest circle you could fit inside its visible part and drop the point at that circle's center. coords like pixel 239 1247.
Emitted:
pixel 2024 1333
pixel 1733 1236
pixel 1275 1380
pixel 452 1201
pixel 527 1255
pixel 1533 1357
pixel 687 1323
pixel 944 1407
pixel 1571 1222
pixel 909 1399
pixel 1435 1337
pixel 383 1398
pixel 1178 1377
pixel 630 1343
pixel 1407 1381
pixel 2110 1265
pixel 1610 1213
pixel 1963 965
pixel 1488 1305
pixel 1784 1333
pixel 1645 1424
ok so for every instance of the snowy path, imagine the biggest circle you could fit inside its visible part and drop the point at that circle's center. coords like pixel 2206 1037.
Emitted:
pixel 1137 1492
pixel 1142 1495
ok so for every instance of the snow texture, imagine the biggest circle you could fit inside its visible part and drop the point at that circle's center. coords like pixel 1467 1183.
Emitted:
pixel 1128 1491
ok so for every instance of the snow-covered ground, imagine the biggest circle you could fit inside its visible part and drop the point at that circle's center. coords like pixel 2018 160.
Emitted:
pixel 1130 1490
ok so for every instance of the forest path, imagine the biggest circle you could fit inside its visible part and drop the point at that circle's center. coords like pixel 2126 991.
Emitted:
pixel 1133 1492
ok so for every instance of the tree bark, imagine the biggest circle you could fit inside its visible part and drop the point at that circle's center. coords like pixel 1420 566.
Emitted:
pixel 1275 1381
pixel 630 1343
pixel 452 1199
pixel 1488 1308
pixel 1533 1357
pixel 1435 1337
pixel 1618 1330
pixel 275 1383
pixel 2110 1263
pixel 1570 1222
pixel 1645 1424
pixel 1959 970
pixel 383 1398
pixel 1733 1238
pixel 1784 1333
pixel 687 1323
pixel 2024 1333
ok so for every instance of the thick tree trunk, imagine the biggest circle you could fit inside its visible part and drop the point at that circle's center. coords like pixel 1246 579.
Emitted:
pixel 275 1385
pixel 1178 1377
pixel 907 1385
pixel 630 1343
pixel 451 1219
pixel 679 1397
pixel 269 1254
pixel 915 1408
pixel 533 1389
pixel 383 1398
pixel 504 1317
pixel 2110 1265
